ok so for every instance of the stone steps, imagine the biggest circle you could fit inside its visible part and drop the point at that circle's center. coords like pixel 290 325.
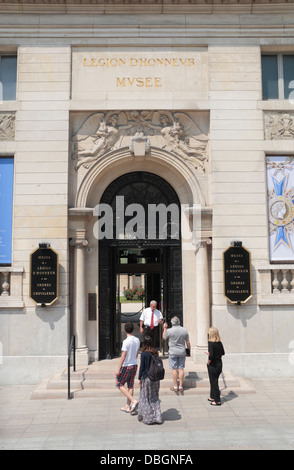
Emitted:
pixel 98 379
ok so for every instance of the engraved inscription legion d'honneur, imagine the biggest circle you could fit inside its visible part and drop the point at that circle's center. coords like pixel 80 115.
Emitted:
pixel 109 74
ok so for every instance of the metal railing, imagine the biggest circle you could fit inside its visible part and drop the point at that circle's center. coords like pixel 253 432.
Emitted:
pixel 72 347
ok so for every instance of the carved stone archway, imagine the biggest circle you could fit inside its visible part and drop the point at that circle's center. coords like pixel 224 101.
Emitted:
pixel 179 174
pixel 184 177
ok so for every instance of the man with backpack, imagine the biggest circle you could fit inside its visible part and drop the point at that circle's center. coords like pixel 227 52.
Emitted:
pixel 178 339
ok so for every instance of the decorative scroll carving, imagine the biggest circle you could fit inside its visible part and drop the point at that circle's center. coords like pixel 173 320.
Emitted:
pixel 176 132
pixel 7 126
pixel 279 125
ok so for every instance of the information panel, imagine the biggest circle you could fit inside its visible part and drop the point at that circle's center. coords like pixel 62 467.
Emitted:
pixel 44 276
pixel 6 209
pixel 237 274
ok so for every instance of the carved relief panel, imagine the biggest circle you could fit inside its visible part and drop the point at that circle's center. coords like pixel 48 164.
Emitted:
pixel 279 125
pixel 184 135
pixel 7 126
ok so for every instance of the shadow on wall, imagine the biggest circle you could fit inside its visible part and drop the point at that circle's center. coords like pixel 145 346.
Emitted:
pixel 50 315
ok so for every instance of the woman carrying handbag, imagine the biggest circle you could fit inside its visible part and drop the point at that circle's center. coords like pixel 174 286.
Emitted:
pixel 149 405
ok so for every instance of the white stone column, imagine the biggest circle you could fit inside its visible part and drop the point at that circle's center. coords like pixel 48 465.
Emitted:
pixel 202 293
pixel 80 298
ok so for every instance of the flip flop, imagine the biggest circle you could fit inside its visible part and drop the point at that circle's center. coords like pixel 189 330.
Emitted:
pixel 173 389
pixel 124 410
pixel 134 407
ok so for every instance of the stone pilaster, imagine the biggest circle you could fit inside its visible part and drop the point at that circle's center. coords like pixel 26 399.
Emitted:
pixel 80 298
pixel 203 296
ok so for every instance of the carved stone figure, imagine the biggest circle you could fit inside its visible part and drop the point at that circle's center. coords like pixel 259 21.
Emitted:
pixel 178 142
pixel 105 138
pixel 279 126
pixel 97 135
pixel 177 133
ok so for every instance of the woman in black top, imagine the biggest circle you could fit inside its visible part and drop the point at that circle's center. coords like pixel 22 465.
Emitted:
pixel 149 405
pixel 214 364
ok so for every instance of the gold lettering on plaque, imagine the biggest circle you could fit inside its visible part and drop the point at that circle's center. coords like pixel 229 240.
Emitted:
pixel 139 82
pixel 139 62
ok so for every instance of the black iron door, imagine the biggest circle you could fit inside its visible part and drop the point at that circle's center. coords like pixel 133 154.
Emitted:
pixel 107 302
pixel 173 283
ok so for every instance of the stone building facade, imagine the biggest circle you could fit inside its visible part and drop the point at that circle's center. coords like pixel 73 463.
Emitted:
pixel 166 95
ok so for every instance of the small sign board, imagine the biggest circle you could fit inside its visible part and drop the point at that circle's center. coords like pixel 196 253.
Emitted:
pixel 237 274
pixel 44 276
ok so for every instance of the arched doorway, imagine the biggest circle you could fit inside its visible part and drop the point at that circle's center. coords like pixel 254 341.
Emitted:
pixel 147 242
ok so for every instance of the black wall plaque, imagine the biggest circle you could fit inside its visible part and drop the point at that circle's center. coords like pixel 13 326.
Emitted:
pixel 92 307
pixel 237 274
pixel 44 276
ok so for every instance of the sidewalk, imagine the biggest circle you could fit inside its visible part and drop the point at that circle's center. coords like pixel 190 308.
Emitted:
pixel 263 420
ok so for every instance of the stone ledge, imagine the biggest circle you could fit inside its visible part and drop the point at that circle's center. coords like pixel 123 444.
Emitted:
pixel 276 299
pixel 10 302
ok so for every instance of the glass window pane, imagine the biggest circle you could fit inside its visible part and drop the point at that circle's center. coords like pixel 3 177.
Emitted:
pixel 269 64
pixel 288 71
pixel 8 77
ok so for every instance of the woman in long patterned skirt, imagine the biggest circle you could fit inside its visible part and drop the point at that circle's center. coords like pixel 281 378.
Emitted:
pixel 149 405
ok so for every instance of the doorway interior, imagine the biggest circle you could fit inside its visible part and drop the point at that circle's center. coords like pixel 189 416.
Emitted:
pixel 159 267
pixel 139 279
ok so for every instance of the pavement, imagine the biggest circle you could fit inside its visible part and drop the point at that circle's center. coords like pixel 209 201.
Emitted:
pixel 263 420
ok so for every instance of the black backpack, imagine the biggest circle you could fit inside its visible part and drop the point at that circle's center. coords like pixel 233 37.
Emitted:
pixel 156 370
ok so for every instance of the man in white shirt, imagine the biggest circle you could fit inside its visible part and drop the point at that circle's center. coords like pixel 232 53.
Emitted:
pixel 128 367
pixel 149 321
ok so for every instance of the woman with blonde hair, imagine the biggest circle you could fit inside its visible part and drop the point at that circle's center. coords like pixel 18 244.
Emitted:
pixel 214 364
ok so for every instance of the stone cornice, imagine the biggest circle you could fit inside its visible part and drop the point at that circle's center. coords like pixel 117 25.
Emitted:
pixel 134 7
pixel 145 2
pixel 125 32
pixel 186 22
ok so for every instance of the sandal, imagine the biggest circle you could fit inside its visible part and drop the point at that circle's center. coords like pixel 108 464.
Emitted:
pixel 124 410
pixel 174 389
pixel 214 403
pixel 134 407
